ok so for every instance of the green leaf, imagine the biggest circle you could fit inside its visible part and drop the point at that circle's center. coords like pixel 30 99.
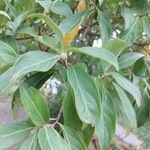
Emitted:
pixel 106 124
pixel 11 41
pixel 116 46
pixel 129 59
pixel 146 25
pixel 61 8
pixel 50 139
pixel 34 103
pixel 132 33
pixel 36 80
pixel 101 54
pixel 13 133
pixel 128 16
pixel 105 27
pixel 51 24
pixel 6 49
pixel 70 22
pixel 86 96
pixel 125 109
pixel 74 140
pixel 128 86
pixel 29 143
pixel 71 118
pixel 28 62
pixel 34 61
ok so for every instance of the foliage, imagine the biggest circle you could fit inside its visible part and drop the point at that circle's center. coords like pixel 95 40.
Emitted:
pixel 100 86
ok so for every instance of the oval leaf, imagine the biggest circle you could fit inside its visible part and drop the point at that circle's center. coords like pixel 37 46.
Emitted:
pixel 34 103
pixel 86 97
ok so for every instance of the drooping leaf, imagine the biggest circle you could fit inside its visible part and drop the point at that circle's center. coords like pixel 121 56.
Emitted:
pixel 29 143
pixel 36 80
pixel 106 124
pixel 129 59
pixel 86 95
pixel 128 86
pixel 50 139
pixel 13 133
pixel 34 103
pixel 74 140
pixel 125 109
pixel 105 26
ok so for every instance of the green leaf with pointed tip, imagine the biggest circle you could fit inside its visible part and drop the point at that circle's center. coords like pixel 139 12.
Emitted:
pixel 50 139
pixel 105 27
pixel 129 59
pixel 35 80
pixel 29 143
pixel 28 62
pixel 125 109
pixel 101 54
pixel 34 103
pixel 128 86
pixel 86 95
pixel 51 24
pixel 74 140
pixel 13 133
pixel 106 124
pixel 70 22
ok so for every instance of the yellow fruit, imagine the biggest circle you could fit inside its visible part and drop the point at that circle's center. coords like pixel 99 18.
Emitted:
pixel 81 6
pixel 70 36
